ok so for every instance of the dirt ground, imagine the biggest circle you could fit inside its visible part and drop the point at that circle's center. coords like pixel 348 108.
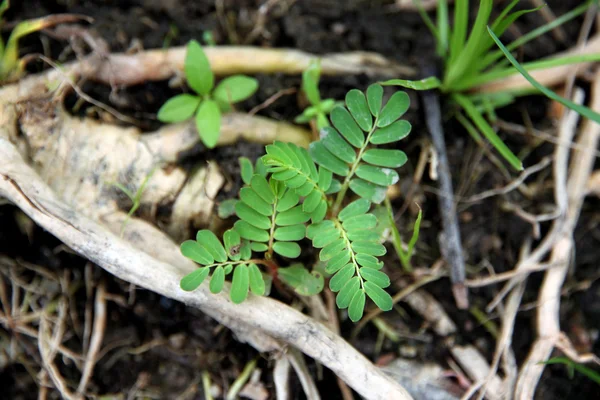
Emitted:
pixel 155 347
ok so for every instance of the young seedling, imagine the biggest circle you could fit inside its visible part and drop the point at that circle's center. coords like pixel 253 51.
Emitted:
pixel 470 60
pixel 294 194
pixel 319 108
pixel 11 66
pixel 208 102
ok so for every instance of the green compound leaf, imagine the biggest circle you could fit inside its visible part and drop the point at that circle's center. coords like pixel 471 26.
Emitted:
pixel 246 169
pixel 197 69
pixel 212 244
pixel 357 105
pixel 357 306
pixel 332 140
pixel 217 280
pixel 249 196
pixel 327 160
pixel 341 277
pixel 396 106
pixel 374 98
pixel 239 284
pixel 259 247
pixel 368 190
pixel 357 207
pixel 379 296
pixel 377 175
pixel 370 248
pixel 304 282
pixel 345 124
pixel 235 88
pixel 391 133
pixel 178 108
pixel 290 233
pixel 289 200
pixel 325 179
pixel 342 149
pixel 256 280
pixel 249 232
pixel 196 252
pixel 292 216
pixel 193 280
pixel 360 223
pixel 347 292
pixel 262 188
pixel 376 277
pixel 208 122
pixel 254 218
pixel 368 261
pixel 232 241
pixel 385 157
pixel 287 249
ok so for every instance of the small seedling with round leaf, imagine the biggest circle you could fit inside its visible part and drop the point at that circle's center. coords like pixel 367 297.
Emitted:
pixel 208 102
pixel 293 193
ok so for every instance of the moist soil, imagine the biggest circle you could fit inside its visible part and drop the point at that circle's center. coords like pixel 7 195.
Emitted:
pixel 188 341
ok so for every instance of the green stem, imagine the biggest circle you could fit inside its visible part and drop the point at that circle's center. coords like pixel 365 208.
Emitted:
pixel 269 253
pixel 352 255
pixel 346 184
pixel 397 240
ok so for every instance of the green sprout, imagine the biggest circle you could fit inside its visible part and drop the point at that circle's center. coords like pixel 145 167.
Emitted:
pixel 470 60
pixel 294 193
pixel 209 101
pixel 319 108
pixel 11 66
pixel 572 366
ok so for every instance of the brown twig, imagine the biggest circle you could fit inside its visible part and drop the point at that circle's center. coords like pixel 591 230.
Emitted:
pixel 91 356
pixel 450 242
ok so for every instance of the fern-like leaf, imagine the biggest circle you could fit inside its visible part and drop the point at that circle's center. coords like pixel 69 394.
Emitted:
pixel 350 246
pixel 345 149
pixel 208 251
pixel 270 217
pixel 293 166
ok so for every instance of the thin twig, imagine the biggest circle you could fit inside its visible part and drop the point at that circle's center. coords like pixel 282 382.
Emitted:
pixel 450 242
pixel 526 173
pixel 91 356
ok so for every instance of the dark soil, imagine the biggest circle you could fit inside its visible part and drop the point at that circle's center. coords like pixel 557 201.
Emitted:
pixel 194 343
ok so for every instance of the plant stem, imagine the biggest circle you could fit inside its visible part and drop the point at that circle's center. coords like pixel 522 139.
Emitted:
pixel 404 256
pixel 450 243
pixel 346 184
pixel 269 253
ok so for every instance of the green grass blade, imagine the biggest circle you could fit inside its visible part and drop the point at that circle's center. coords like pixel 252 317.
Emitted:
pixel 472 49
pixel 582 110
pixel 443 24
pixel 494 56
pixel 424 84
pixel 530 66
pixel 588 372
pixel 503 25
pixel 459 32
pixel 504 13
pixel 487 131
